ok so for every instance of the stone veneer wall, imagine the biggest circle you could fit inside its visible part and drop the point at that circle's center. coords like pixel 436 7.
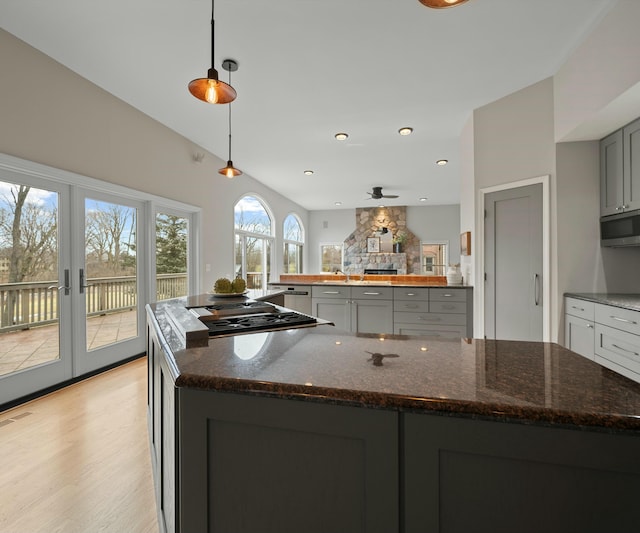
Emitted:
pixel 369 221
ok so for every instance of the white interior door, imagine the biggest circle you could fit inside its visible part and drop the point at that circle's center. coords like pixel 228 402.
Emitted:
pixel 514 264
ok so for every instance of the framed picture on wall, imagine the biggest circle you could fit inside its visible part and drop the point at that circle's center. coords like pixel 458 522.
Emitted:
pixel 465 243
pixel 373 244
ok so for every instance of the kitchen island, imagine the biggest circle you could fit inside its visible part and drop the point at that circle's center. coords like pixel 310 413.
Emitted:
pixel 320 430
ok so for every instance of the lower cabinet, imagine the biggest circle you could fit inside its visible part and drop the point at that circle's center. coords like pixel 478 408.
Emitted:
pixel 579 327
pixel 607 334
pixel 355 309
pixel 463 475
pixel 265 465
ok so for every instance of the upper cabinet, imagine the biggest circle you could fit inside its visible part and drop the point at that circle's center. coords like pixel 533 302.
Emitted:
pixel 620 170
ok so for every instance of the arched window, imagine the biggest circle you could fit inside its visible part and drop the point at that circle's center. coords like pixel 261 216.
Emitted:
pixel 293 244
pixel 253 242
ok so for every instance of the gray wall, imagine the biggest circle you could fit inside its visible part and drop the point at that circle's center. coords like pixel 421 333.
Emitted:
pixel 83 129
pixel 429 223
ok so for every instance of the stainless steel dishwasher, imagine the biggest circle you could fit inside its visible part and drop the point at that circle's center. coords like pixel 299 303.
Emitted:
pixel 296 297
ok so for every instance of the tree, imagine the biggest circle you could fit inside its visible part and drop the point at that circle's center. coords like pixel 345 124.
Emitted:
pixel 110 240
pixel 171 244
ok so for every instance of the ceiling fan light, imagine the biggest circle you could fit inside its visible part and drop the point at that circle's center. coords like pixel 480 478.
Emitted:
pixel 440 4
pixel 230 171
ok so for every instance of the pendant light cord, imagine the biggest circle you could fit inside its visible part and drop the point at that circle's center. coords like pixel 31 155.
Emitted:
pixel 212 35
pixel 229 119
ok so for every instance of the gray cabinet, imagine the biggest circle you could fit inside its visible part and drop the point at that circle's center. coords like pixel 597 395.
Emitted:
pixel 465 475
pixel 617 340
pixel 607 334
pixel 437 312
pixel 579 327
pixel 355 309
pixel 620 170
pixel 249 464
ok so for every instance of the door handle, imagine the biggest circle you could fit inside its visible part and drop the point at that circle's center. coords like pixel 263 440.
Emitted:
pixel 66 286
pixel 82 282
pixel 536 281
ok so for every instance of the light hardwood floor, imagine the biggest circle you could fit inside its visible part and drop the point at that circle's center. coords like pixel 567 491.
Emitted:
pixel 78 460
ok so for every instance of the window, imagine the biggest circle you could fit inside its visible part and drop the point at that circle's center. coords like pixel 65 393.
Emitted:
pixel 434 258
pixel 293 242
pixel 330 257
pixel 172 237
pixel 253 242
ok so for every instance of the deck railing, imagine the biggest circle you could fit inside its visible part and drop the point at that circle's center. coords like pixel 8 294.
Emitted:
pixel 29 304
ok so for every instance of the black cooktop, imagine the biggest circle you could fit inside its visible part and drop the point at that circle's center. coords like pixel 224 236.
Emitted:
pixel 258 322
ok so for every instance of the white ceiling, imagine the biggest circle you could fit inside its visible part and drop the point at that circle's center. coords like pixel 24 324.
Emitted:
pixel 311 68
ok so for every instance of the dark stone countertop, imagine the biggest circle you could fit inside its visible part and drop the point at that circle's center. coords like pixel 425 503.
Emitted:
pixel 625 301
pixel 529 382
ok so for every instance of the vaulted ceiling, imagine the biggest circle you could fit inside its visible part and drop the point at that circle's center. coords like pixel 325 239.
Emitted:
pixel 309 69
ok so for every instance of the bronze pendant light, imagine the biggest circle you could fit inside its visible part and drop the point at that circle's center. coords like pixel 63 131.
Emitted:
pixel 211 89
pixel 440 4
pixel 230 171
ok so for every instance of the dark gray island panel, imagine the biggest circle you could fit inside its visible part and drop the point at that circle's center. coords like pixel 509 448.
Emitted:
pixel 466 475
pixel 251 464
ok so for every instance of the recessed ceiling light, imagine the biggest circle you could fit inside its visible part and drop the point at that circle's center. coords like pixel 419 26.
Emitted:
pixel 405 131
pixel 423 199
pixel 308 172
pixel 338 203
pixel 442 162
pixel 341 136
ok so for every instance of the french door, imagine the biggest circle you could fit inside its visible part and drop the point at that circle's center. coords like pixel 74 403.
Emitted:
pixel 71 298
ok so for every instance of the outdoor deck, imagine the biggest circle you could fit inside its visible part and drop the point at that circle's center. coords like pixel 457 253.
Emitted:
pixel 27 348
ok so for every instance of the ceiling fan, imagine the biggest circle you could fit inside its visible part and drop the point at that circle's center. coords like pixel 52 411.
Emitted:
pixel 377 194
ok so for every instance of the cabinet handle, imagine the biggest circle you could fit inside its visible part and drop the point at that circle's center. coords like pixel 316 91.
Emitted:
pixel 411 306
pixel 372 293
pixel 589 326
pixel 409 294
pixel 619 319
pixel 331 292
pixel 578 308
pixel 433 319
pixel 536 281
pixel 624 349
pixel 447 295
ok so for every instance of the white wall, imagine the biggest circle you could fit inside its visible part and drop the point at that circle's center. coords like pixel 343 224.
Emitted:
pixel 597 90
pixel 54 117
pixel 429 223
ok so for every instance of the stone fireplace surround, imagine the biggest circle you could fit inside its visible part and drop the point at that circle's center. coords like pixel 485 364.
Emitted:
pixel 369 222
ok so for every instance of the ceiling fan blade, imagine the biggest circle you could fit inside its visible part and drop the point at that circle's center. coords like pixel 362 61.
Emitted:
pixel 390 196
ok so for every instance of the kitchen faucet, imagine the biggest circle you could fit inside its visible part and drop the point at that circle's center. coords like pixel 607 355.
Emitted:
pixel 338 271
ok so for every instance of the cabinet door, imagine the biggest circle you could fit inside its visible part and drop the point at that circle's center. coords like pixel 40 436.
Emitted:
pixel 579 336
pixel 631 135
pixel 336 310
pixel 372 316
pixel 611 174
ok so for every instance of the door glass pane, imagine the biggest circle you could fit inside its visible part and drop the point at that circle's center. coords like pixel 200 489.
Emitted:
pixel 29 297
pixel 171 256
pixel 111 292
pixel 331 257
pixel 254 257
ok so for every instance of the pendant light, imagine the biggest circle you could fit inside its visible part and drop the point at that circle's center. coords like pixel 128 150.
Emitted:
pixel 211 89
pixel 440 4
pixel 230 171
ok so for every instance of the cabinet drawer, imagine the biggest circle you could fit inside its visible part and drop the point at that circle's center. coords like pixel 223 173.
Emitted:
pixel 579 336
pixel 430 318
pixel 618 318
pixel 618 350
pixel 411 306
pixel 448 295
pixel 447 307
pixel 579 308
pixel 372 293
pixel 410 293
pixel 330 291
pixel 457 332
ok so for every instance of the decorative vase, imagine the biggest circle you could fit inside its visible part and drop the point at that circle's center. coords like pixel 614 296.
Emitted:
pixel 397 247
pixel 454 276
